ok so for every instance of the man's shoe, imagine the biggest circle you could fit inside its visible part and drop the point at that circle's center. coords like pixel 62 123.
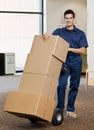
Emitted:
pixel 71 114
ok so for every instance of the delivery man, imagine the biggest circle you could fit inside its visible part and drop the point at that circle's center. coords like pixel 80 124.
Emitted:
pixel 77 44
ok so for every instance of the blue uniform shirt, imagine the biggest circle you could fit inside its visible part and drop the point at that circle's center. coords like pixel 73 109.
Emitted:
pixel 76 38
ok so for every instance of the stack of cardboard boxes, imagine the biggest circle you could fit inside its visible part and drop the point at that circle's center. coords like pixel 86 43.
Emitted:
pixel 38 85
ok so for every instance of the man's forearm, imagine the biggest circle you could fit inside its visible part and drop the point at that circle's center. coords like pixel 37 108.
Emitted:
pixel 77 50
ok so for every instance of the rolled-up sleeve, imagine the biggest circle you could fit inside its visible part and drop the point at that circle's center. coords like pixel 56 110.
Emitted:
pixel 83 40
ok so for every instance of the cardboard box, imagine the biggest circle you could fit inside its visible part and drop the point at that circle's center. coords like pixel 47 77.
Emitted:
pixel 40 84
pixel 43 64
pixel 30 104
pixel 54 45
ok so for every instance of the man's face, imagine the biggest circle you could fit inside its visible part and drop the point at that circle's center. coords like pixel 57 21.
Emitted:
pixel 69 20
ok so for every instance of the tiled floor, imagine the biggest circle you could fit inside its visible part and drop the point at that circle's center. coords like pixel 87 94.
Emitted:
pixel 11 82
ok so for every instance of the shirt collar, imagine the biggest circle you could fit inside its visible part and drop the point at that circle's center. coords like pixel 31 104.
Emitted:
pixel 65 28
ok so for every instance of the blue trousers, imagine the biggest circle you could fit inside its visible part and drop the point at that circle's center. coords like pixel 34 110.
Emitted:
pixel 74 67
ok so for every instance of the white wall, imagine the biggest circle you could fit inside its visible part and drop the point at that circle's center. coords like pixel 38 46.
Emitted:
pixel 17 30
pixel 56 8
pixel 90 34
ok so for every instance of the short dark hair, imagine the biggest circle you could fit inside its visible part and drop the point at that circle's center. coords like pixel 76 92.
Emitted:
pixel 69 11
